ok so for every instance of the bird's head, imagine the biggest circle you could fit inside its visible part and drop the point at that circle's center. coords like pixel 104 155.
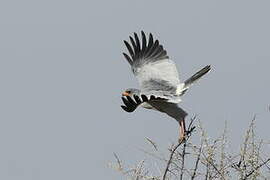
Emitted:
pixel 131 92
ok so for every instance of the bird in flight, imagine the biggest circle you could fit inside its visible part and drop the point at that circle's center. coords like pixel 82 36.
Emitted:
pixel 160 86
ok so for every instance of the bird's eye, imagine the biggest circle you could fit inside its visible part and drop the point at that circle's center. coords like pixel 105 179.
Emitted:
pixel 128 92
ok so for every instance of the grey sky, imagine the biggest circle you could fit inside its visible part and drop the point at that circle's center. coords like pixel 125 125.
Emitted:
pixel 62 74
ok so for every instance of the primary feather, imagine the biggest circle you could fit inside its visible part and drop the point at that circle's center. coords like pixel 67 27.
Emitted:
pixel 156 73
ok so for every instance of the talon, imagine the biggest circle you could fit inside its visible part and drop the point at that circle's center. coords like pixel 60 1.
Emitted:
pixel 182 139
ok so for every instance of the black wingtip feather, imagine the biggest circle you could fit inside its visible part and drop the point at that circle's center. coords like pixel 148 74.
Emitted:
pixel 131 105
pixel 144 98
pixel 133 43
pixel 152 97
pixel 143 42
pixel 126 109
pixel 137 99
pixel 130 50
pixel 138 45
pixel 128 58
pixel 142 50
pixel 130 100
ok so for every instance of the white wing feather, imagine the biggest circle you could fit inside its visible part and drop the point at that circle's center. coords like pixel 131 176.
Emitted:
pixel 161 70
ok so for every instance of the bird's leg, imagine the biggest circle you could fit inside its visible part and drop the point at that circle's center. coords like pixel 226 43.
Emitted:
pixel 182 130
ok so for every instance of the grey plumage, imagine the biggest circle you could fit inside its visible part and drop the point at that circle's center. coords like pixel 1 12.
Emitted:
pixel 158 78
pixel 151 65
pixel 171 109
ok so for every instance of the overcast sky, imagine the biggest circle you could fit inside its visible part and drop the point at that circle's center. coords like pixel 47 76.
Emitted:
pixel 62 73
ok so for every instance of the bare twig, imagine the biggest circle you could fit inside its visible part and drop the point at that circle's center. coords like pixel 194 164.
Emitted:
pixel 153 155
pixel 139 170
pixel 267 166
pixel 242 166
pixel 152 143
pixel 183 160
pixel 208 154
pixel 120 167
pixel 214 166
pixel 189 131
pixel 170 160
pixel 190 126
pixel 197 161
pixel 256 168
pixel 244 150
pixel 222 154
pixel 207 171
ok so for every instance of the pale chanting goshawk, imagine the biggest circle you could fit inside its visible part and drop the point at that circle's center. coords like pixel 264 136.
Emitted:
pixel 160 86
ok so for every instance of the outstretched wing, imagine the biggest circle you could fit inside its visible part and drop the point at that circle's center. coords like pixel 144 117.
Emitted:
pixel 132 103
pixel 156 73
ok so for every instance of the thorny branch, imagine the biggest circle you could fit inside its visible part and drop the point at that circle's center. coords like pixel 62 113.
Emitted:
pixel 189 131
pixel 170 160
pixel 152 143
pixel 252 162
pixel 197 161
pixel 214 166
pixel 256 168
pixel 244 150
pixel 120 167
pixel 183 160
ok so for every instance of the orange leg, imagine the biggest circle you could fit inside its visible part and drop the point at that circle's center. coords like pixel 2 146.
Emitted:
pixel 182 130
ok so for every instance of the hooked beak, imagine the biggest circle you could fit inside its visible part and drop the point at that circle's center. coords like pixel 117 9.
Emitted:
pixel 125 94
